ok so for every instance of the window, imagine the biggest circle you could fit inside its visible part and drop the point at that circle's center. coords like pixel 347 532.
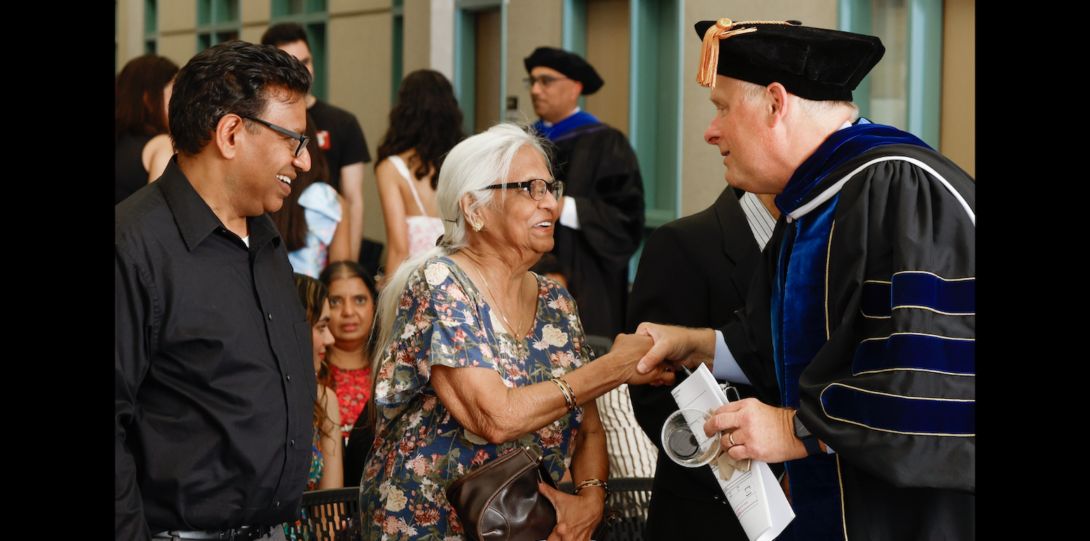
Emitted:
pixel 904 90
pixel 217 22
pixel 151 26
pixel 313 16
pixel 651 94
pixel 480 30
pixel 652 119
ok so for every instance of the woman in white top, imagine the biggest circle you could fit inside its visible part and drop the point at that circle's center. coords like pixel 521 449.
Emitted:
pixel 424 125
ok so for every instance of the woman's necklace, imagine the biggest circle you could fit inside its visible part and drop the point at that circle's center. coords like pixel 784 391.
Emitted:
pixel 521 315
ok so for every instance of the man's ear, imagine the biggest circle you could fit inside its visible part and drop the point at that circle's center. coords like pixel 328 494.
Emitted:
pixel 778 103
pixel 577 89
pixel 227 136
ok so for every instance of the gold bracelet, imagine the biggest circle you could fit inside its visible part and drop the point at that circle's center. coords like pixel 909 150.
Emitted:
pixel 592 483
pixel 574 402
pixel 563 391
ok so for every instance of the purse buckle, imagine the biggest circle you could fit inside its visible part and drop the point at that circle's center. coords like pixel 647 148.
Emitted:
pixel 534 454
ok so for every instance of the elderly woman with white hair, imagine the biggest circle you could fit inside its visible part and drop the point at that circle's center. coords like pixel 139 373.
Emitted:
pixel 481 357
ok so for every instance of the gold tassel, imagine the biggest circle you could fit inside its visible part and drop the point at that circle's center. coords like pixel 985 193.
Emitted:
pixel 709 49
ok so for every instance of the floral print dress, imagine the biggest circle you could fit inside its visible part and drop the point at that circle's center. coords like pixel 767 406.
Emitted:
pixel 442 319
pixel 353 388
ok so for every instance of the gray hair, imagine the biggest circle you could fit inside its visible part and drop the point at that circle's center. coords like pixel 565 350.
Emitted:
pixel 809 108
pixel 473 164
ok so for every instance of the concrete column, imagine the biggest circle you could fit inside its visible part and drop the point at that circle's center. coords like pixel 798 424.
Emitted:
pixel 429 36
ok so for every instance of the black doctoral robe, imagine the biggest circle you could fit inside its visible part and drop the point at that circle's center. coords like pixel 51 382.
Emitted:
pixel 601 174
pixel 892 389
pixel 695 272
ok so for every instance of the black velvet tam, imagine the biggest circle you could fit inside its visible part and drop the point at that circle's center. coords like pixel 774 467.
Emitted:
pixel 571 65
pixel 812 63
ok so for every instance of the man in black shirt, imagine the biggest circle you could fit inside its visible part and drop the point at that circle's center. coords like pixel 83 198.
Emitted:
pixel 213 379
pixel 339 133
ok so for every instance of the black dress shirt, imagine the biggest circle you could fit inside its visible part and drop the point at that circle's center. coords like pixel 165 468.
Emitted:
pixel 213 372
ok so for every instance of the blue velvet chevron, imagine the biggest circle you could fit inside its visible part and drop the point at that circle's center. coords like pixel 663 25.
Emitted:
pixel 919 290
pixel 929 291
pixel 916 352
pixel 898 413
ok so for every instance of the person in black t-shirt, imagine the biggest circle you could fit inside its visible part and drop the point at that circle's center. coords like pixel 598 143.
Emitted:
pixel 339 133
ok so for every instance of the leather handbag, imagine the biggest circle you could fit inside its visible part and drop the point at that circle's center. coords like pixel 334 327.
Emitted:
pixel 500 500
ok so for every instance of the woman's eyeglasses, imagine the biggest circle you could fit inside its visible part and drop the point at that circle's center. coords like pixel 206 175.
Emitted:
pixel 537 187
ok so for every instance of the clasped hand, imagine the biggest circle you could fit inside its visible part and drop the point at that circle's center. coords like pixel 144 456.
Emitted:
pixel 759 431
pixel 629 349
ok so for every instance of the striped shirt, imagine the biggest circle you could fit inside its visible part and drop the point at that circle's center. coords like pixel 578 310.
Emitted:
pixel 760 220
pixel 631 452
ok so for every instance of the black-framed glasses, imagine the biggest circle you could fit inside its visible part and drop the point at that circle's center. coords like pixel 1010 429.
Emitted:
pixel 537 187
pixel 545 81
pixel 302 138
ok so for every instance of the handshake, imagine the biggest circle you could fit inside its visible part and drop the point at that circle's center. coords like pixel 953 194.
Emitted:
pixel 748 428
pixel 655 352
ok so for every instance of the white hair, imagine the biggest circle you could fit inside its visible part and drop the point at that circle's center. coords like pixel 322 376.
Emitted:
pixel 809 108
pixel 473 164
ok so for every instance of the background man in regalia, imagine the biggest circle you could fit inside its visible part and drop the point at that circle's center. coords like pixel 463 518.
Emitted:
pixel 861 315
pixel 601 213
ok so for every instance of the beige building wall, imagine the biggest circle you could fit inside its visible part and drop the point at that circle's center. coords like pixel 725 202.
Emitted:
pixel 254 15
pixel 416 51
pixel 608 50
pixel 957 139
pixel 360 63
pixel 530 24
pixel 177 30
pixel 702 168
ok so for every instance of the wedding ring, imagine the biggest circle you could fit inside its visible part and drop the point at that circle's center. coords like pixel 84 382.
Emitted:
pixel 730 438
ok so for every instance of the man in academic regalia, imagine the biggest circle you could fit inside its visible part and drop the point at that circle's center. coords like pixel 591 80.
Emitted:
pixel 860 318
pixel 601 216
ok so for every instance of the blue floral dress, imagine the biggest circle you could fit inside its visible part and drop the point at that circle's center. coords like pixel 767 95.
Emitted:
pixel 442 319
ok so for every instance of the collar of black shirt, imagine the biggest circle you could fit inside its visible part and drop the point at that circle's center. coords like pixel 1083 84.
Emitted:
pixel 195 218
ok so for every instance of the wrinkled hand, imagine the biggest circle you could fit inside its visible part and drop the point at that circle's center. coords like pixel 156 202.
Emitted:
pixel 576 516
pixel 683 345
pixel 629 349
pixel 760 431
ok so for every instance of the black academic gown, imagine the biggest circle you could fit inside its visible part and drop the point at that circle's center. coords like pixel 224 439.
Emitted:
pixel 600 172
pixel 694 272
pixel 905 472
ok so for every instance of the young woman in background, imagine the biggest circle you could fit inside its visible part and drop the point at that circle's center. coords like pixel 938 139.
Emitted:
pixel 142 145
pixel 424 125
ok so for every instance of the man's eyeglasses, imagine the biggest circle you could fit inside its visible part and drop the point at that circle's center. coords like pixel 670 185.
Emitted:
pixel 537 187
pixel 545 80
pixel 302 138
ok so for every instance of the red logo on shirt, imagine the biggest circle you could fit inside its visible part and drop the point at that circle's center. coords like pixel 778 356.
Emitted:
pixel 323 139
